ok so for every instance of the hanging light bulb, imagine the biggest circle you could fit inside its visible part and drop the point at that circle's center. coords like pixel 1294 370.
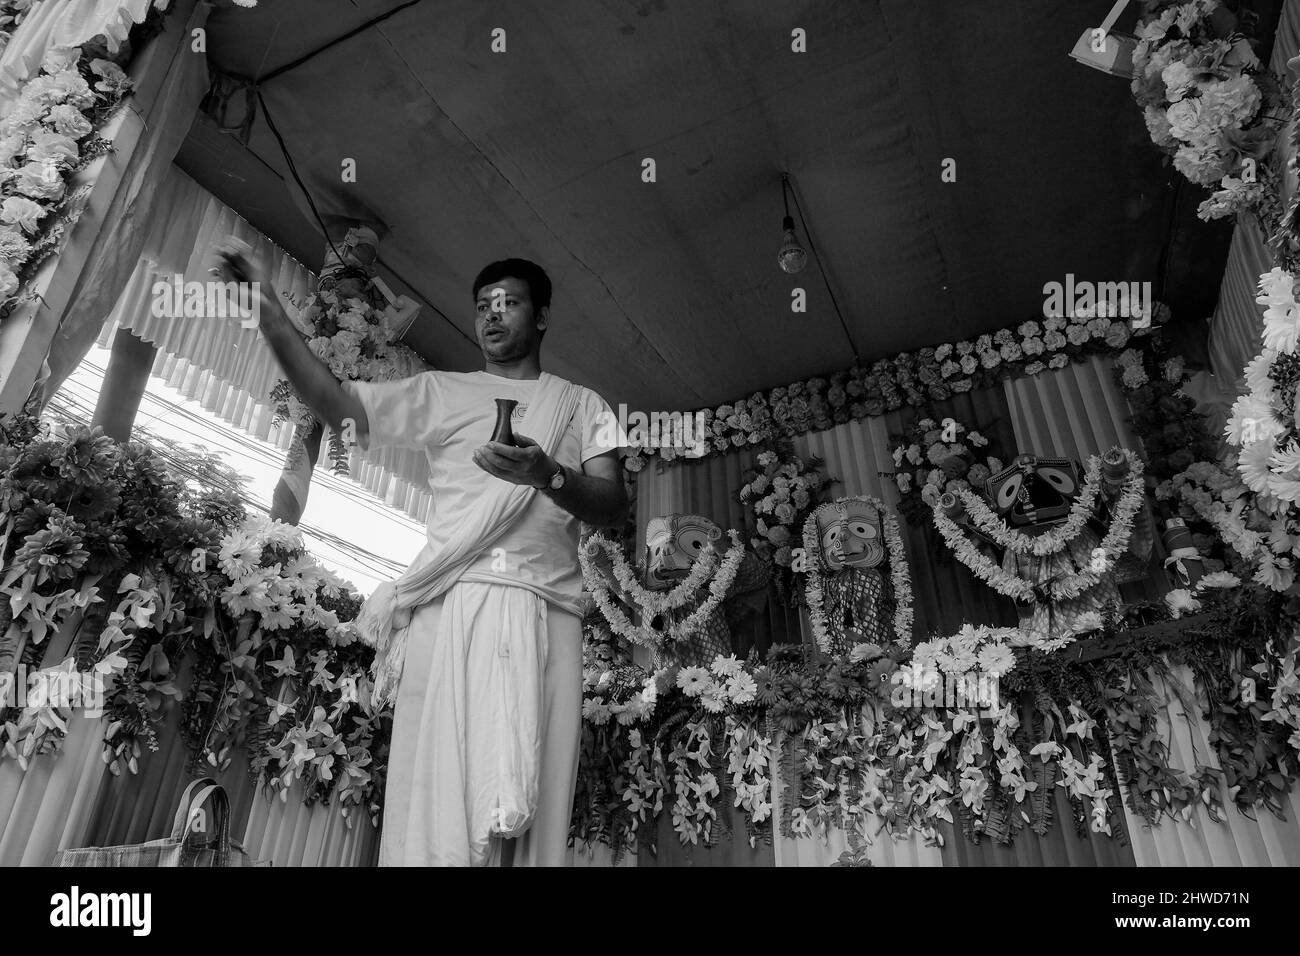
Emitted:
pixel 791 257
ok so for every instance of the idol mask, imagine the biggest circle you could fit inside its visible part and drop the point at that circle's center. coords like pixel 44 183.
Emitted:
pixel 673 544
pixel 1034 491
pixel 850 534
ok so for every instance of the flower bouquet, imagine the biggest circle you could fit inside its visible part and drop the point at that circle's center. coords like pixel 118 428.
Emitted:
pixel 779 495
pixel 1209 103
pixel 933 457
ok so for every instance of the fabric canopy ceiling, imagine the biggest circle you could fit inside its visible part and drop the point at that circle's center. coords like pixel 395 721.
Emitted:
pixel 667 293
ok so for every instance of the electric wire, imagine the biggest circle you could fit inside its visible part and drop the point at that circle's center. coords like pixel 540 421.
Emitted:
pixel 357 559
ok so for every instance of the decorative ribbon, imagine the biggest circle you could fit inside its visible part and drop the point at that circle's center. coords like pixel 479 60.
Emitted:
pixel 1176 558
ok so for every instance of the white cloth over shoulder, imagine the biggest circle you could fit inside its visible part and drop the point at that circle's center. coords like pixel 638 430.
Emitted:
pixel 464 535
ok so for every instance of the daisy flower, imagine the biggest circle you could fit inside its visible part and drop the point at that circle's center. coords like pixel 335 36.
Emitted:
pixel 996 659
pixel 742 689
pixel 727 666
pixel 1253 465
pixel 694 681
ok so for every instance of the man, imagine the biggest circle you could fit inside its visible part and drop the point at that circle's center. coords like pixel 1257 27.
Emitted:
pixel 483 629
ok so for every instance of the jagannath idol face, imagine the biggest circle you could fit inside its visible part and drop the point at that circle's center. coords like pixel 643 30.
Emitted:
pixel 850 534
pixel 1034 491
pixel 673 545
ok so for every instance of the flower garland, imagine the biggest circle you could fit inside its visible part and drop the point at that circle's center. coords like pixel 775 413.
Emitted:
pixel 912 379
pixel 1113 544
pixel 1050 542
pixel 643 634
pixel 45 140
pixel 1206 100
pixel 899 576
pixel 655 602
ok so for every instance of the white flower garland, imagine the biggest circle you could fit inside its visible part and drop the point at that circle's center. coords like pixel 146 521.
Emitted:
pixel 1071 586
pixel 643 634
pixel 899 575
pixel 655 602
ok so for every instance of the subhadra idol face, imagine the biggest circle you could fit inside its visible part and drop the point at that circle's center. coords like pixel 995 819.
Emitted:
pixel 850 534
pixel 673 544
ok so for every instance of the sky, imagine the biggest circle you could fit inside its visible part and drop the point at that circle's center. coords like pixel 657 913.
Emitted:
pixel 345 527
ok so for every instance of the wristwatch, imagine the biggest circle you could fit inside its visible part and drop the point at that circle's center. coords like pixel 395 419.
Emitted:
pixel 556 481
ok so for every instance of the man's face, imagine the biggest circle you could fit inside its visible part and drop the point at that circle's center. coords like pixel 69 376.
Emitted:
pixel 505 324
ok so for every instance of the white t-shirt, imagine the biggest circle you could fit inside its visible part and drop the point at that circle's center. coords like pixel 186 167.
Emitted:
pixel 450 414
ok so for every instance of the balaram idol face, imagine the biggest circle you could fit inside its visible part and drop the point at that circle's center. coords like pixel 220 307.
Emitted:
pixel 673 544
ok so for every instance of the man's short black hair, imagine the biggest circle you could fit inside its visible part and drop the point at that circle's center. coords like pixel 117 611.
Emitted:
pixel 539 283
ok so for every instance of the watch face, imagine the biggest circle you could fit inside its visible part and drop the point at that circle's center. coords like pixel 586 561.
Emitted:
pixel 557 480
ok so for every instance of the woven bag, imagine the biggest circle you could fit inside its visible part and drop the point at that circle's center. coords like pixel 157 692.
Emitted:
pixel 186 846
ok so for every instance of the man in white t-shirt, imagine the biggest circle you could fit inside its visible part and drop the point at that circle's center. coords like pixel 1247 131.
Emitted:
pixel 487 724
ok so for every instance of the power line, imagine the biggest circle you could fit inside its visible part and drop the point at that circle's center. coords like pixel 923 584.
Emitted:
pixel 254 448
pixel 348 554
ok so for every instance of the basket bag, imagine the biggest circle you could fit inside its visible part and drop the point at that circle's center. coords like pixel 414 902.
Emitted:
pixel 187 846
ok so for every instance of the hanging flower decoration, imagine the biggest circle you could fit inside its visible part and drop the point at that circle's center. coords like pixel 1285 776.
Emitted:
pixel 1258 514
pixel 350 332
pixel 915 379
pixel 46 138
pixel 778 495
pixel 1209 104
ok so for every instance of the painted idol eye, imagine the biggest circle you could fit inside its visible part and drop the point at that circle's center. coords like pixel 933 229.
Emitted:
pixel 1059 479
pixel 692 540
pixel 1008 491
pixel 863 529
pixel 830 539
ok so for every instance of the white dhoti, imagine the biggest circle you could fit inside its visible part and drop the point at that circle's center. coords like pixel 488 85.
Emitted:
pixel 486 731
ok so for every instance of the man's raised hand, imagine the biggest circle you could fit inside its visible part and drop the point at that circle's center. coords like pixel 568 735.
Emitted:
pixel 235 262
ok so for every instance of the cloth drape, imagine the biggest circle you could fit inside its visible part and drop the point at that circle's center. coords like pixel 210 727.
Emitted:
pixel 147 133
pixel 48 807
pixel 53 23
pixel 228 369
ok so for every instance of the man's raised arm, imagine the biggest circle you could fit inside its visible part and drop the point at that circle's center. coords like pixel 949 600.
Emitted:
pixel 310 377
